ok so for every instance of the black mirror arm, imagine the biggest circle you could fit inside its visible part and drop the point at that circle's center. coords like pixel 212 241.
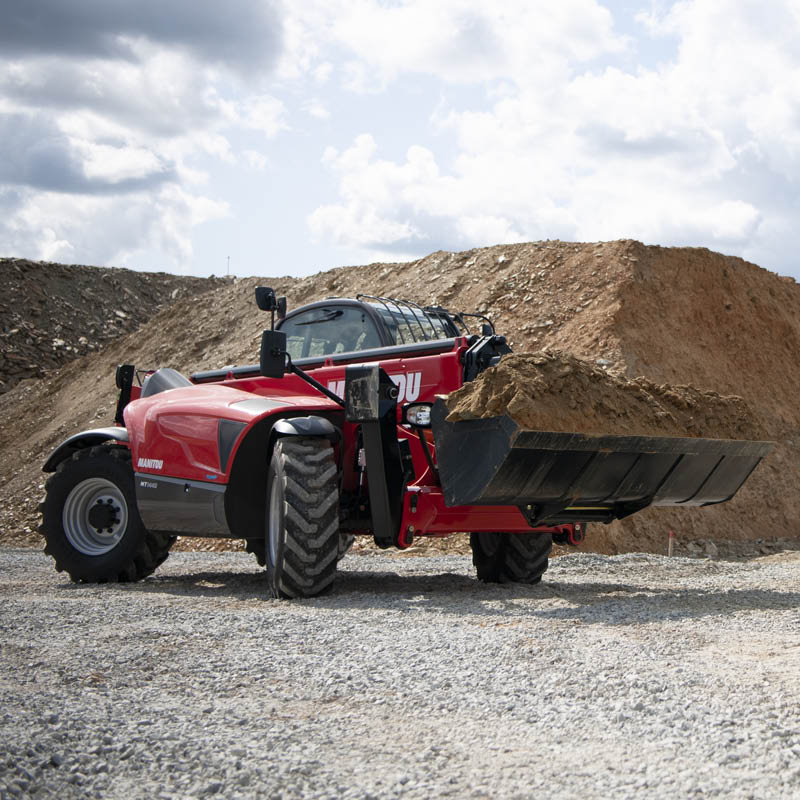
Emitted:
pixel 291 367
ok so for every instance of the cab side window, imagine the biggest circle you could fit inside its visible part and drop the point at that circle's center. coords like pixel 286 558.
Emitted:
pixel 327 330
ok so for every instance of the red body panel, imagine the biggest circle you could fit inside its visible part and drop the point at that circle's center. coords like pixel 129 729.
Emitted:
pixel 425 513
pixel 174 433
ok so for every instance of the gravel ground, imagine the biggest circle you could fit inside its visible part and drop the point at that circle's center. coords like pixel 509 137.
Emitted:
pixel 622 676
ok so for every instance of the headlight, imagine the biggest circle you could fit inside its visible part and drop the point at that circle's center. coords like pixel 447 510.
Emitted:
pixel 418 415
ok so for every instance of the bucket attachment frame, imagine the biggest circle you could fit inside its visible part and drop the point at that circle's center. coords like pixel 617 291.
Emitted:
pixel 568 477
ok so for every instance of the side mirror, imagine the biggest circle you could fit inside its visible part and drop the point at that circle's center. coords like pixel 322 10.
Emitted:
pixel 273 354
pixel 266 301
pixel 265 298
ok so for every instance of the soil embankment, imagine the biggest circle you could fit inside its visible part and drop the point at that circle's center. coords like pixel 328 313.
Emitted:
pixel 681 316
pixel 52 313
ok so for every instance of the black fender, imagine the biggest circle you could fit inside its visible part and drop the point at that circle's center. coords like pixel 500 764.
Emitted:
pixel 80 441
pixel 304 426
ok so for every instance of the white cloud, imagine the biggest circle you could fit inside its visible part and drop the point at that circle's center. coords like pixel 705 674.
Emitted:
pixel 456 123
pixel 263 113
pixel 700 150
pixel 51 225
pixel 733 221
pixel 110 164
pixel 368 187
pixel 106 120
pixel 160 93
pixel 460 41
pixel 53 249
pixel 316 109
pixel 255 160
pixel 322 72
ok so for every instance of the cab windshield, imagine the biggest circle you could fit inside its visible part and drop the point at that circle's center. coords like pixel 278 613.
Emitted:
pixel 328 330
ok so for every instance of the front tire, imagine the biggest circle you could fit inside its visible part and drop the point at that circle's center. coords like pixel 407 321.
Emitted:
pixel 302 525
pixel 510 557
pixel 90 521
pixel 258 549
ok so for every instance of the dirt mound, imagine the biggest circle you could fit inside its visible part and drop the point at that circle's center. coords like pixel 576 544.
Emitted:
pixel 672 315
pixel 53 313
pixel 554 391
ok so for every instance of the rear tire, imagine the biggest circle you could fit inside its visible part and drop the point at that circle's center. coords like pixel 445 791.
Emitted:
pixel 302 525
pixel 90 521
pixel 510 557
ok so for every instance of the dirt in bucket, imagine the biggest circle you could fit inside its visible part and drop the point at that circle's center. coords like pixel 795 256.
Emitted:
pixel 554 391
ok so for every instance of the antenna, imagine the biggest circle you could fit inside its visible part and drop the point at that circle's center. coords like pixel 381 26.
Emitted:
pixel 229 266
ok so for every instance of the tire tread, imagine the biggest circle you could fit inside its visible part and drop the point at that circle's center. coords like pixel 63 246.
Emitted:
pixel 311 517
pixel 517 557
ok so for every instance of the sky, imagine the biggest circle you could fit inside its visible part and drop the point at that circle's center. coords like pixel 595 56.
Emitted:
pixel 282 138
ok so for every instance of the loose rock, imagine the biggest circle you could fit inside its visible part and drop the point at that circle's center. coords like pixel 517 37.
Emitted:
pixel 587 685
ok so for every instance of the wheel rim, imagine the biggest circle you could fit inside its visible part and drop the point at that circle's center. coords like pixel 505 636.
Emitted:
pixel 275 526
pixel 95 516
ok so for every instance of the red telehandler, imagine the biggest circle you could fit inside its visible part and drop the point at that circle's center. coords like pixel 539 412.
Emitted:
pixel 340 431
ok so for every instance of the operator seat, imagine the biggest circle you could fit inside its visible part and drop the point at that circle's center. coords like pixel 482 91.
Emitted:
pixel 163 379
